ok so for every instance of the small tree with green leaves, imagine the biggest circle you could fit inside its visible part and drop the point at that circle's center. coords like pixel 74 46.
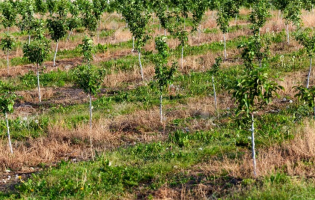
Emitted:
pixel 252 91
pixel 36 52
pixel 164 75
pixel 259 15
pixel 27 12
pixel 291 10
pixel 40 7
pixel 89 21
pixel 306 95
pixel 292 14
pixel 307 39
pixel 6 107
pixel 137 16
pixel 51 6
pixel 198 9
pixel 228 9
pixel 57 29
pixel 7 43
pixel 8 14
pixel 74 21
pixel 257 48
pixel 57 26
pixel 88 77
pixel 87 49
pixel 99 7
pixel 174 19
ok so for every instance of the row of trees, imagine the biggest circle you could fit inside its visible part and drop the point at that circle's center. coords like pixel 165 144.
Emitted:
pixel 64 16
pixel 254 89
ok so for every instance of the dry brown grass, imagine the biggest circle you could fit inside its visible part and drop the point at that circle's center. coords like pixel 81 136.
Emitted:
pixel 140 126
pixel 292 157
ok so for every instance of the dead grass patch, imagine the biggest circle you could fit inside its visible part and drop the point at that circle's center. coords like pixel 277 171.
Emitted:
pixel 292 157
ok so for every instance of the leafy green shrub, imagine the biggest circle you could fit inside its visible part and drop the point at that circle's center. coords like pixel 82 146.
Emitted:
pixel 180 138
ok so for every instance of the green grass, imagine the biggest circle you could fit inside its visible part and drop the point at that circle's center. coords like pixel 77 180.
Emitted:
pixel 139 169
pixel 277 187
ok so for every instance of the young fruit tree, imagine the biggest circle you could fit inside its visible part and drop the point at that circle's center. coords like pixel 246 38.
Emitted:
pixel 307 39
pixel 6 44
pixel 228 9
pixel 291 10
pixel 73 21
pixel 36 52
pixel 6 107
pixel 51 6
pixel 137 16
pixel 8 14
pixel 57 26
pixel 164 75
pixel 27 13
pixel 87 49
pixel 198 9
pixel 257 48
pixel 89 21
pixel 307 95
pixel 292 14
pixel 161 8
pixel 99 6
pixel 173 20
pixel 259 15
pixel 40 7
pixel 88 77
pixel 251 92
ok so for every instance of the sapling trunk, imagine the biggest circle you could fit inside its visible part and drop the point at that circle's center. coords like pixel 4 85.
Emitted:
pixel 236 20
pixel 56 53
pixel 182 56
pixel 199 33
pixel 8 62
pixel 90 108
pixel 133 43
pixel 215 97
pixel 309 74
pixel 90 100
pixel 279 14
pixel 8 131
pixel 253 146
pixel 164 32
pixel 98 31
pixel 224 37
pixel 69 35
pixel 288 34
pixel 38 85
pixel 141 69
pixel 29 38
pixel 161 112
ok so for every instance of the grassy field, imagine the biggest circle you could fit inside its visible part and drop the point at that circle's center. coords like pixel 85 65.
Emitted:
pixel 194 154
